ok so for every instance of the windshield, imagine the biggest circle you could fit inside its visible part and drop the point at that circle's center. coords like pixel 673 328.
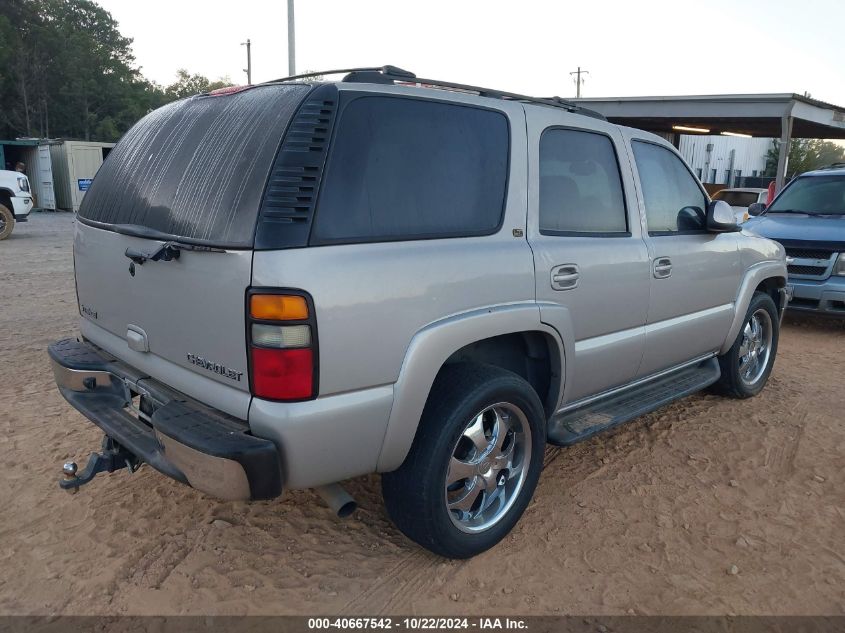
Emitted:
pixel 816 195
pixel 194 170
pixel 737 198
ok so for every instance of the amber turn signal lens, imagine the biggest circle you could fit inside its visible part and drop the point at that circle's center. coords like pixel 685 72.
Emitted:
pixel 278 307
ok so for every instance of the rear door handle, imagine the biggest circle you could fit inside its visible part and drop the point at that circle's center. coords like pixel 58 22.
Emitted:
pixel 565 277
pixel 662 268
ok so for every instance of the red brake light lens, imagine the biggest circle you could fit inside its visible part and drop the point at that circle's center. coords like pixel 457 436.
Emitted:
pixel 282 374
pixel 228 90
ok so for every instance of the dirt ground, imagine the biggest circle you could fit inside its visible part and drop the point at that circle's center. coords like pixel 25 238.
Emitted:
pixel 649 519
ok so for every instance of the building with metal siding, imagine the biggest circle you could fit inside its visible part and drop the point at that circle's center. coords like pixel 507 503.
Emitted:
pixel 724 160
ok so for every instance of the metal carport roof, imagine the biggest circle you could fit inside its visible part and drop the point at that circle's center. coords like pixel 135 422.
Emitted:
pixel 784 116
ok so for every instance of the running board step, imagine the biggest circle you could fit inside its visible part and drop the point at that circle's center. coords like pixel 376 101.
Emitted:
pixel 577 425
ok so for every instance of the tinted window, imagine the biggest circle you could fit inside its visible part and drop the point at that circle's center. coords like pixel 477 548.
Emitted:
pixel 580 186
pixel 408 168
pixel 737 198
pixel 195 168
pixel 673 199
pixel 813 194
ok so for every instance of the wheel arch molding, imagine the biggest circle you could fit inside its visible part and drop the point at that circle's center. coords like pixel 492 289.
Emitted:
pixel 467 336
pixel 763 275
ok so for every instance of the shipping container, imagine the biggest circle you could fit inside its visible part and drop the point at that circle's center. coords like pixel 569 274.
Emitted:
pixel 75 163
pixel 35 155
pixel 40 172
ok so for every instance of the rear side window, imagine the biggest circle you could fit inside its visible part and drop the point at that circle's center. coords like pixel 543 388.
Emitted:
pixel 674 202
pixel 580 185
pixel 196 168
pixel 737 198
pixel 413 169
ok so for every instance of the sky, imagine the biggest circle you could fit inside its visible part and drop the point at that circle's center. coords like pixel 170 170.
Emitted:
pixel 636 47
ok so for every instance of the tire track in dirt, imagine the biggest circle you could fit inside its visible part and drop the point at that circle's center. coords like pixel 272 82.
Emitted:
pixel 394 592
pixel 780 459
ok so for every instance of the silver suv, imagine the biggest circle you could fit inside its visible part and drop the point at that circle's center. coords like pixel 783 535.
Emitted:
pixel 295 283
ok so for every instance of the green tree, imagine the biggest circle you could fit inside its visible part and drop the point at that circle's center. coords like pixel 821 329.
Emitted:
pixel 67 71
pixel 187 85
pixel 805 154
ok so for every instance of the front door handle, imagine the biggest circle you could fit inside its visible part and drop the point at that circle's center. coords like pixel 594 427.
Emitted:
pixel 662 268
pixel 565 277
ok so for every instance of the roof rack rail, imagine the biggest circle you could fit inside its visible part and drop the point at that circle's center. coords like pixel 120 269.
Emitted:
pixel 391 74
pixel 388 75
pixel 386 70
pixel 838 165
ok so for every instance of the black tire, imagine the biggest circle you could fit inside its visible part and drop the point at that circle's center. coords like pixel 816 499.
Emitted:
pixel 731 383
pixel 7 222
pixel 415 495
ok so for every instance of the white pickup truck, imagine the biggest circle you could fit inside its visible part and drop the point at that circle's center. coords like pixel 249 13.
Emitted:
pixel 15 200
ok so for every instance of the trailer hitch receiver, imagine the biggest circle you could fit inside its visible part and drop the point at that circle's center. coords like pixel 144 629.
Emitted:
pixel 111 458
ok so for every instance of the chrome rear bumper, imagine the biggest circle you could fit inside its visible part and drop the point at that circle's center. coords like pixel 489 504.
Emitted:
pixel 174 434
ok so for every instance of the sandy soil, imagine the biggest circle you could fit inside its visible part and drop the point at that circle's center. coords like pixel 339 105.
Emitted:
pixel 649 519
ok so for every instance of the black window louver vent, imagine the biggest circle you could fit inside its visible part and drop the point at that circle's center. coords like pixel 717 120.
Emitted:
pixel 288 204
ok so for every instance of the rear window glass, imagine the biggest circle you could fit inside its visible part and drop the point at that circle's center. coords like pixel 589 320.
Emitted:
pixel 737 198
pixel 413 169
pixel 195 168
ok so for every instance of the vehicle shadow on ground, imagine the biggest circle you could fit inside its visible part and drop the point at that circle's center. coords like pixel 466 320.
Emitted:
pixel 815 322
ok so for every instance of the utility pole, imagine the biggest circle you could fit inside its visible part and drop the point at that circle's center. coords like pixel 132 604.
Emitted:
pixel 291 41
pixel 578 80
pixel 248 69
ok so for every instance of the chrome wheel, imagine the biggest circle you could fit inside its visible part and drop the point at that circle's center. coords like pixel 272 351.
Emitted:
pixel 488 467
pixel 756 347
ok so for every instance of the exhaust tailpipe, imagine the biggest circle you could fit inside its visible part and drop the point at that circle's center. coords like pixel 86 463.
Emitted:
pixel 337 499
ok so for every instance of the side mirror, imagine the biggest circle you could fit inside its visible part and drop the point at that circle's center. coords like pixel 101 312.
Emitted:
pixel 756 209
pixel 721 218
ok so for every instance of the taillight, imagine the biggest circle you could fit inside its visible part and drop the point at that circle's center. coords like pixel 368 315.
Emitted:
pixel 282 341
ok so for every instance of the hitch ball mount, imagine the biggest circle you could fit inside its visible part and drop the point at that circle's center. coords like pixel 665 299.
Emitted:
pixel 111 458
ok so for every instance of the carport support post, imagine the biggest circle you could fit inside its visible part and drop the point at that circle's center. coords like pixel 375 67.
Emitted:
pixel 783 151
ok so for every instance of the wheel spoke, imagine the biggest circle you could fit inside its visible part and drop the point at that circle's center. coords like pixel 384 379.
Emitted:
pixel 751 367
pixel 467 500
pixel 500 430
pixel 493 501
pixel 458 470
pixel 503 459
pixel 756 329
pixel 475 434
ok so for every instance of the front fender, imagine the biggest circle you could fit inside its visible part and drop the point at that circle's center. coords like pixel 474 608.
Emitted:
pixel 754 276
pixel 427 352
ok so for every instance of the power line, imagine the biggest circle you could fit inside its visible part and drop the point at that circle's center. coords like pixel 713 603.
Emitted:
pixel 579 80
